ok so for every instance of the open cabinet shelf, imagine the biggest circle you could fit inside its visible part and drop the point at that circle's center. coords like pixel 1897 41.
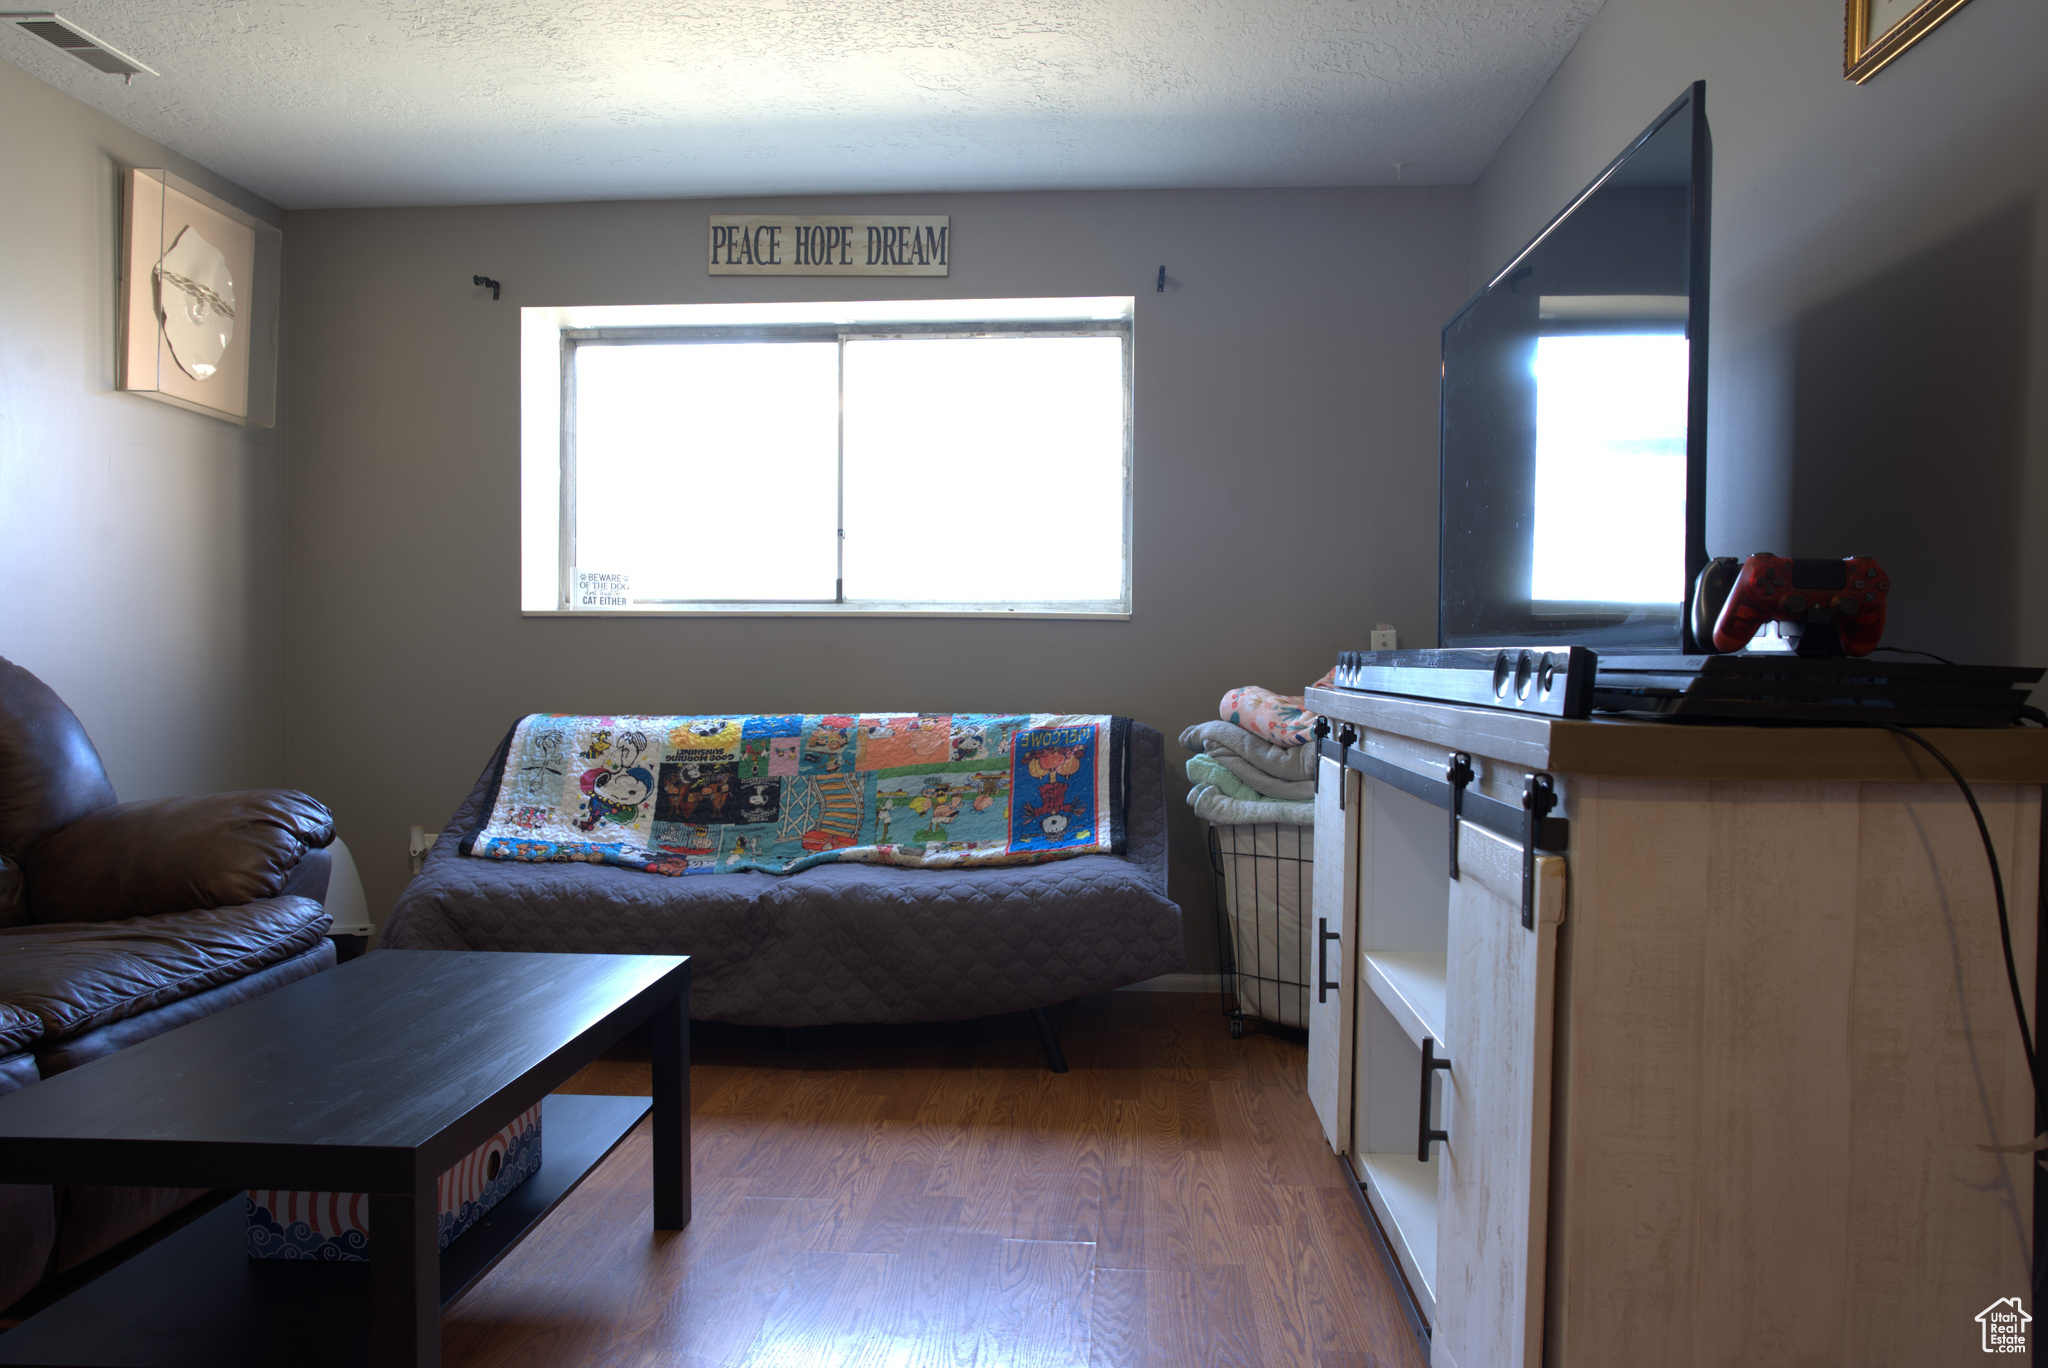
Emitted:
pixel 1403 1195
pixel 1448 1050
pixel 1411 985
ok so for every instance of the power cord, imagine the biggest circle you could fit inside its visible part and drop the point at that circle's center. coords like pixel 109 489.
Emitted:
pixel 1907 650
pixel 2039 1279
pixel 2012 975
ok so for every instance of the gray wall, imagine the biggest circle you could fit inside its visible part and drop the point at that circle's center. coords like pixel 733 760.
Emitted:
pixel 1879 380
pixel 1285 495
pixel 141 546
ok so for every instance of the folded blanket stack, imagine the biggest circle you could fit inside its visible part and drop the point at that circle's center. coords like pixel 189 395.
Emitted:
pixel 1253 764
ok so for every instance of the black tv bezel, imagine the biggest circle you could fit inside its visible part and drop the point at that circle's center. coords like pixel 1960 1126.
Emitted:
pixel 1698 216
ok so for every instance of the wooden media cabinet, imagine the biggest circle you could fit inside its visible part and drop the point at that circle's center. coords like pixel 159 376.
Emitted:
pixel 1724 1052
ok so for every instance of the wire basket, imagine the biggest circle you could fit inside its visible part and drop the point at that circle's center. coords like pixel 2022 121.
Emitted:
pixel 1263 941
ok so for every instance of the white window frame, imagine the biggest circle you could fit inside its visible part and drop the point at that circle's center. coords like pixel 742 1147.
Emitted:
pixel 548 344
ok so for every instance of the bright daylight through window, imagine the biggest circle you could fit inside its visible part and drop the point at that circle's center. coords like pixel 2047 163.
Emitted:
pixel 939 456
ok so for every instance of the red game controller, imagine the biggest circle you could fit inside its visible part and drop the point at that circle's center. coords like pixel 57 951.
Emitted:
pixel 1847 594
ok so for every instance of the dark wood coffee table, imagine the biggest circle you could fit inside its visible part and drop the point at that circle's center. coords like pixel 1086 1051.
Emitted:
pixel 374 1077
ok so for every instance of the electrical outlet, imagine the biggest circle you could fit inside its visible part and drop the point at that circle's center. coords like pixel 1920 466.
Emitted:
pixel 1384 637
pixel 419 844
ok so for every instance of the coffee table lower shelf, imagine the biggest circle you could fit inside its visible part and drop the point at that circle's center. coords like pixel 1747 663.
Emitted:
pixel 196 1300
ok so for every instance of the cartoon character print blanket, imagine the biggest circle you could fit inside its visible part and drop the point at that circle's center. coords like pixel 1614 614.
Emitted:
pixel 780 793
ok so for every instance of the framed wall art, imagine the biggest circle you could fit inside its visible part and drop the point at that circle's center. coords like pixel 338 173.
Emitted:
pixel 1876 31
pixel 199 296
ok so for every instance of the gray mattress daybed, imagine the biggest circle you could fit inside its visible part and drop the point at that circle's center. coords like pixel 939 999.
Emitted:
pixel 835 943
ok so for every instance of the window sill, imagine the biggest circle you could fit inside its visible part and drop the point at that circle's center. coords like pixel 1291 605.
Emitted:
pixel 1111 613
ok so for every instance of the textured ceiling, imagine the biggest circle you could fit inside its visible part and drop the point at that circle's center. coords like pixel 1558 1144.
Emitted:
pixel 348 102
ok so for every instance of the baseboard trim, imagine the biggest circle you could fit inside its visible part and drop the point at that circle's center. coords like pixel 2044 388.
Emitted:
pixel 1174 983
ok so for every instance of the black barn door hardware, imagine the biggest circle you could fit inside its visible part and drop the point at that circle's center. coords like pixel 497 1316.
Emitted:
pixel 1457 774
pixel 1345 736
pixel 1539 796
pixel 1324 935
pixel 1504 819
pixel 1423 1132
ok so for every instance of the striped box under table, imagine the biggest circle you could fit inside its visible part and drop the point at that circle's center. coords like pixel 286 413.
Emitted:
pixel 336 1225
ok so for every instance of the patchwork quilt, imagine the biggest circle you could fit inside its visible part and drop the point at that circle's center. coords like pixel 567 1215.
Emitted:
pixel 783 792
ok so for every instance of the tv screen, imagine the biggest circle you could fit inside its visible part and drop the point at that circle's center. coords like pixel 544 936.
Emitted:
pixel 1573 413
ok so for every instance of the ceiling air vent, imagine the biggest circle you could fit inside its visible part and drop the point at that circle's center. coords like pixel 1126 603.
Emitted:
pixel 58 31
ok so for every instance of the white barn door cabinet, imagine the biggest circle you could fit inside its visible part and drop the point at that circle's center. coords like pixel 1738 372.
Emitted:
pixel 1705 1073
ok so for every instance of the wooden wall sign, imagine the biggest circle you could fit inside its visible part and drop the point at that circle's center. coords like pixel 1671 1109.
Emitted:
pixel 830 245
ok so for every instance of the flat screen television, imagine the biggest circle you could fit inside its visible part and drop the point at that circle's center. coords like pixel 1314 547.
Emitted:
pixel 1574 415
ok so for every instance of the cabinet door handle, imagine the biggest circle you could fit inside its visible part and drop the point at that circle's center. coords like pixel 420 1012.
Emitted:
pixel 1324 935
pixel 1423 1134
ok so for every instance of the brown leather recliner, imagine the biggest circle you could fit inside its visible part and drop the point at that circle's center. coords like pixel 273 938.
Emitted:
pixel 119 921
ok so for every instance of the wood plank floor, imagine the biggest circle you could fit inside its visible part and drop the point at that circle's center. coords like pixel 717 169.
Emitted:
pixel 934 1196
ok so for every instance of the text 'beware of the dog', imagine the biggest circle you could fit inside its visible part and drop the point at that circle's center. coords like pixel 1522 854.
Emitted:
pixel 824 244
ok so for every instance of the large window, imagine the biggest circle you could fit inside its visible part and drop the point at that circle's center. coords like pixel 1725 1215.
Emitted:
pixel 963 457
